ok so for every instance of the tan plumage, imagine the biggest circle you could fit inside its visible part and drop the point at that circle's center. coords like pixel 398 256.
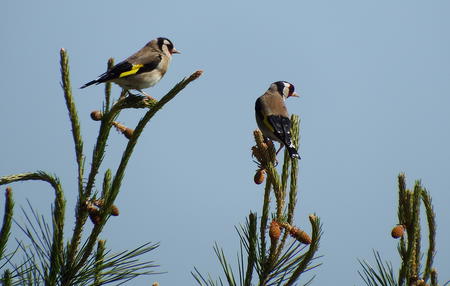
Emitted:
pixel 272 115
pixel 141 70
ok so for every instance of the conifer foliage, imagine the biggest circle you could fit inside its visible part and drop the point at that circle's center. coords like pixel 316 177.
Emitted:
pixel 84 259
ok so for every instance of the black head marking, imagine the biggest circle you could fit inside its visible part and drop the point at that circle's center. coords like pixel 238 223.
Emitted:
pixel 164 41
pixel 281 88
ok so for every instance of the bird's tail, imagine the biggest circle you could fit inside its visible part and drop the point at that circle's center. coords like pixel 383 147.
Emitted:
pixel 90 83
pixel 293 152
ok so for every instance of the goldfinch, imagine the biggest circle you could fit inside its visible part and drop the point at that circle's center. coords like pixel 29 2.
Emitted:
pixel 272 116
pixel 141 70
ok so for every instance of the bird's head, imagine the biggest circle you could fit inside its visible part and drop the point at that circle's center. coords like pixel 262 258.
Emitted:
pixel 166 46
pixel 284 88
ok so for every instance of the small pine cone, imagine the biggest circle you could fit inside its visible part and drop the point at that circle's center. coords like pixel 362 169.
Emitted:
pixel 398 231
pixel 114 210
pixel 300 235
pixel 128 133
pixel 94 215
pixel 96 115
pixel 259 176
pixel 274 231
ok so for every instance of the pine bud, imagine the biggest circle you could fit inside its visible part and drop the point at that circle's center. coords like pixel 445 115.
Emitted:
pixel 259 176
pixel 114 210
pixel 300 235
pixel 274 231
pixel 127 132
pixel 96 115
pixel 195 75
pixel 8 191
pixel 398 231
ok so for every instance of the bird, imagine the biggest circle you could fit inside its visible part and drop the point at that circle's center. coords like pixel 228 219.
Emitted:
pixel 272 115
pixel 141 70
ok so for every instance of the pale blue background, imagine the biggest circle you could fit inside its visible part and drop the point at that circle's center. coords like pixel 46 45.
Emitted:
pixel 374 83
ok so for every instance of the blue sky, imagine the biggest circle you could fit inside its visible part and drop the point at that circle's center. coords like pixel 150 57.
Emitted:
pixel 374 85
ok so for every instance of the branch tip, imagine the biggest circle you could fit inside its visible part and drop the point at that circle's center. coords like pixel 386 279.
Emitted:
pixel 195 75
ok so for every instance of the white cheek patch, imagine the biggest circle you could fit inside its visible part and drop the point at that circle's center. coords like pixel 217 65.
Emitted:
pixel 286 91
pixel 165 50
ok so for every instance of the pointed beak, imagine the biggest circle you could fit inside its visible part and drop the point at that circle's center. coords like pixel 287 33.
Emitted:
pixel 294 94
pixel 175 51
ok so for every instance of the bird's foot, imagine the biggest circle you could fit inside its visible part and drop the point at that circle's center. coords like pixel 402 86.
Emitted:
pixel 147 95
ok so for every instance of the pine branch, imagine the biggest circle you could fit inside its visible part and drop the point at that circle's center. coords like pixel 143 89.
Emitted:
pixel 264 220
pixel 295 131
pixel 434 278
pixel 115 186
pixel 58 217
pixel 6 279
pixel 403 203
pixel 285 172
pixel 108 88
pixel 276 186
pixel 252 242
pixel 414 232
pixel 426 198
pixel 98 153
pixel 73 115
pixel 106 184
pixel 99 257
pixel 7 219
pixel 316 234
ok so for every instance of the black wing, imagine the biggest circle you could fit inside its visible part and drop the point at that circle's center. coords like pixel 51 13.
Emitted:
pixel 123 67
pixel 282 128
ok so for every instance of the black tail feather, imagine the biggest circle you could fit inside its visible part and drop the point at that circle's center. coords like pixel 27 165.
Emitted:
pixel 90 83
pixel 293 152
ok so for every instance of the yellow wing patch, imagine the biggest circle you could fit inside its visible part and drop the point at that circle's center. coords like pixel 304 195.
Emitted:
pixel 134 69
pixel 267 123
